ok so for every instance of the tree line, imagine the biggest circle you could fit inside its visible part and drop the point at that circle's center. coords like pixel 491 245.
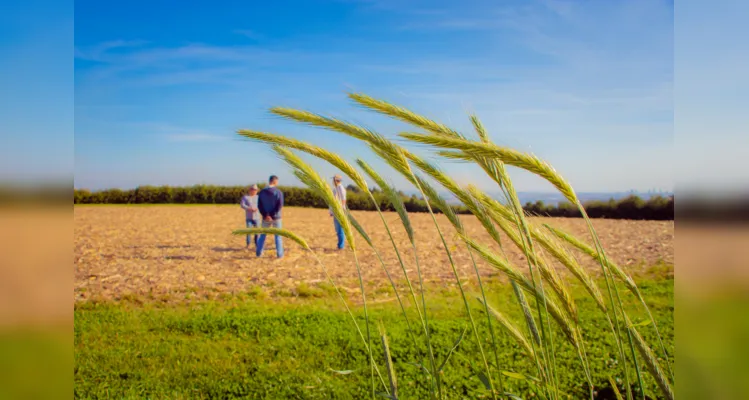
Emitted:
pixel 632 207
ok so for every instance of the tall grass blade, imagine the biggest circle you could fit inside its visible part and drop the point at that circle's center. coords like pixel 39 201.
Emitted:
pixel 389 364
pixel 504 217
pixel 397 202
pixel 272 231
pixel 512 330
pixel 615 389
pixel 394 198
pixel 452 349
pixel 367 239
pixel 316 151
pixel 310 178
pixel 563 321
pixel 650 361
pixel 508 156
pixel 402 114
pixel 628 282
pixel 533 164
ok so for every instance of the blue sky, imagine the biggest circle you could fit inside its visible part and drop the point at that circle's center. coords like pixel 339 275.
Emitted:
pixel 36 121
pixel 160 90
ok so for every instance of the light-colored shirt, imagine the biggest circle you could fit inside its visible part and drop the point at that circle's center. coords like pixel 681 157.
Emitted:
pixel 249 203
pixel 339 193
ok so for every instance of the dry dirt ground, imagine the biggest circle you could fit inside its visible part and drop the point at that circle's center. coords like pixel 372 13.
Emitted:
pixel 173 251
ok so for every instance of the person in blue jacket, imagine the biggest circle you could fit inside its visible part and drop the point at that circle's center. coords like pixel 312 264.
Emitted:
pixel 270 204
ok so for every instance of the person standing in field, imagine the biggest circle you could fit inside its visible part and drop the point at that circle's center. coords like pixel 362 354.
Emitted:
pixel 252 214
pixel 339 193
pixel 270 203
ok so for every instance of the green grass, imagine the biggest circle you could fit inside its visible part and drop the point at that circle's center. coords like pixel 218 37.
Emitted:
pixel 251 346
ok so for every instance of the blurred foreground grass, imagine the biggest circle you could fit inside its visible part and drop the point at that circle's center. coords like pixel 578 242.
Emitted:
pixel 35 364
pixel 251 346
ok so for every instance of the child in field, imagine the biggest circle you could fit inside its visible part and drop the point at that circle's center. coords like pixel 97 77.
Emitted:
pixel 252 213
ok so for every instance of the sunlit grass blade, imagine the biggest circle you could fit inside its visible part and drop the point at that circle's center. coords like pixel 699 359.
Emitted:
pixel 534 165
pixel 272 231
pixel 391 195
pixel 389 364
pixel 623 276
pixel 615 389
pixel 504 217
pixel 316 151
pixel 367 239
pixel 507 155
pixel 309 177
pixel 650 361
pixel 303 243
pixel 512 330
pixel 616 269
pixel 397 203
pixel 402 114
pixel 564 323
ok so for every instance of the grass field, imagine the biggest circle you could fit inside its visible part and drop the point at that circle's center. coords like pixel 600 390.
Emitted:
pixel 169 305
pixel 251 346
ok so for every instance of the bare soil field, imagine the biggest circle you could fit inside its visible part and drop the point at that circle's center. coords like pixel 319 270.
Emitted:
pixel 173 251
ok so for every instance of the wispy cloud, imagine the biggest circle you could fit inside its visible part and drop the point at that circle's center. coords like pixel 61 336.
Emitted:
pixel 546 75
pixel 173 133
pixel 250 34
pixel 100 51
pixel 194 137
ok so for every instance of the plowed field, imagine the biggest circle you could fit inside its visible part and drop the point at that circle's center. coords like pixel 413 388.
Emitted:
pixel 173 251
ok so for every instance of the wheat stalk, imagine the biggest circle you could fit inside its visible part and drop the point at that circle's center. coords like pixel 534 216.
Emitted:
pixel 619 272
pixel 394 156
pixel 616 269
pixel 512 330
pixel 318 152
pixel 495 169
pixel 512 273
pixel 299 240
pixel 481 152
pixel 367 239
pixel 394 198
pixel 312 179
pixel 389 364
pixel 273 231
pixel 447 182
pixel 410 117
pixel 309 177
pixel 508 156
pixel 402 114
pixel 501 213
pixel 650 360
pixel 397 202
pixel 349 171
pixel 479 127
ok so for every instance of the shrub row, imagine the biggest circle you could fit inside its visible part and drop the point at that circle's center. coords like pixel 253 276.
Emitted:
pixel 657 208
pixel 631 207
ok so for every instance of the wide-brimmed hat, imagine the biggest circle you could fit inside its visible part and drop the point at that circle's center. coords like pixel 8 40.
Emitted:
pixel 253 187
pixel 337 178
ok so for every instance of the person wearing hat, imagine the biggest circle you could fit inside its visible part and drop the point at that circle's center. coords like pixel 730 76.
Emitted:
pixel 252 214
pixel 339 193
